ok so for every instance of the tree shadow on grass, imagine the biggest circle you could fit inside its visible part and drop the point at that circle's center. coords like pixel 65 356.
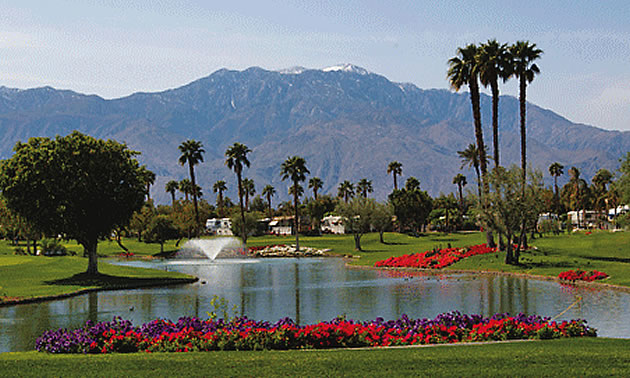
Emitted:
pixel 545 264
pixel 606 258
pixel 109 281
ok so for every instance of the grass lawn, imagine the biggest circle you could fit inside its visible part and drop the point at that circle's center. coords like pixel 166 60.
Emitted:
pixel 566 358
pixel 604 251
pixel 37 276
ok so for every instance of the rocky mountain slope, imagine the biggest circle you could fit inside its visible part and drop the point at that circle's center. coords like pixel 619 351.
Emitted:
pixel 346 122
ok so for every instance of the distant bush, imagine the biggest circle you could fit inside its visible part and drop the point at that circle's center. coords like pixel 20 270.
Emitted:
pixel 53 247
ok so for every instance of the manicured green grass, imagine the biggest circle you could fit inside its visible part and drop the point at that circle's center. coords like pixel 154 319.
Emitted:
pixel 604 251
pixel 37 276
pixel 566 358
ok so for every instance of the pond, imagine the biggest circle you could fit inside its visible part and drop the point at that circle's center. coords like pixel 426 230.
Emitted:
pixel 310 290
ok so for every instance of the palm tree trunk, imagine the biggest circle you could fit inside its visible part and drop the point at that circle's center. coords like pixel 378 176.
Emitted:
pixel 194 196
pixel 240 199
pixel 172 198
pixel 495 120
pixel 395 182
pixel 269 203
pixel 522 96
pixel 474 97
pixel 296 221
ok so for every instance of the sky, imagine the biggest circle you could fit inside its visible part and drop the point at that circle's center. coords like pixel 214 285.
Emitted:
pixel 114 48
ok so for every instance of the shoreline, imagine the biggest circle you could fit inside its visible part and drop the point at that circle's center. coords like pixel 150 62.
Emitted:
pixel 158 283
pixel 435 272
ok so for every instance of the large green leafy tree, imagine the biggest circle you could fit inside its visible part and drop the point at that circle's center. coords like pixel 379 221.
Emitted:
pixel 622 184
pixel 75 185
pixel 294 169
pixel 357 217
pixel 411 205
pixel 192 154
pixel 236 158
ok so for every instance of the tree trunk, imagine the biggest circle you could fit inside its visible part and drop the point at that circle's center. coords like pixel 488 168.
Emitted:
pixel 194 196
pixel 395 182
pixel 172 198
pixel 357 242
pixel 296 221
pixel 89 247
pixel 240 199
pixel 474 97
pixel 495 120
pixel 509 254
pixel 522 96
pixel 380 235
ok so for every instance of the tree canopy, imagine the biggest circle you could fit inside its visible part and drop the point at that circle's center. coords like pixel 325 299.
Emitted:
pixel 74 185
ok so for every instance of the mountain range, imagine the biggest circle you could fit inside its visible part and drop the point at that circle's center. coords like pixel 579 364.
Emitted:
pixel 347 122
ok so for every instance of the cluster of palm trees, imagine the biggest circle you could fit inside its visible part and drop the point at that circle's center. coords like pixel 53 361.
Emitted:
pixel 488 63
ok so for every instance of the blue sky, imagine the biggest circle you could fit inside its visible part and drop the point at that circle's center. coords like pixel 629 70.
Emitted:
pixel 114 48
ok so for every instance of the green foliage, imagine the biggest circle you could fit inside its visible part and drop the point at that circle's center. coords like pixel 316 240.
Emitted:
pixel 75 185
pixel 357 217
pixel 53 247
pixel 161 229
pixel 411 206
pixel 251 225
pixel 221 309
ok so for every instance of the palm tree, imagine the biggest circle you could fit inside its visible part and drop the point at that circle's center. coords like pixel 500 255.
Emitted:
pixel 470 158
pixel 269 191
pixel 494 64
pixel 294 169
pixel 248 190
pixel 192 154
pixel 395 168
pixel 345 190
pixel 148 178
pixel 579 193
pixel 185 186
pixel 460 181
pixel 236 157
pixel 315 183
pixel 171 187
pixel 523 56
pixel 464 69
pixel 555 170
pixel 364 186
pixel 219 187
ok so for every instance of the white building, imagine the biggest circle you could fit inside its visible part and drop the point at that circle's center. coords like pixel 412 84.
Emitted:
pixel 281 225
pixel 333 224
pixel 219 226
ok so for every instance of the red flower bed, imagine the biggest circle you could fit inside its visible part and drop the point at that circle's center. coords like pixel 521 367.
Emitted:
pixel 582 275
pixel 435 259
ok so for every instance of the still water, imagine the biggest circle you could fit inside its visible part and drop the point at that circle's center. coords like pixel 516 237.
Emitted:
pixel 310 290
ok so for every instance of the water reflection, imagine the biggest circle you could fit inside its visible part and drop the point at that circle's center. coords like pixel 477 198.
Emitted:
pixel 310 290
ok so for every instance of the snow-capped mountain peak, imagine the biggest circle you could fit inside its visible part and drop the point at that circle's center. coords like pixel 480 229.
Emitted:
pixel 347 67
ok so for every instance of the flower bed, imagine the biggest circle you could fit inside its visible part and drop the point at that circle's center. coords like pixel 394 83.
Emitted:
pixel 435 259
pixel 582 275
pixel 282 250
pixel 192 334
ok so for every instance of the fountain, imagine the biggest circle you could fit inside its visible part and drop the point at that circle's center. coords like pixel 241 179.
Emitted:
pixel 223 247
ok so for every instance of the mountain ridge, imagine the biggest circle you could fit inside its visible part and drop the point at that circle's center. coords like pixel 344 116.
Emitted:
pixel 347 122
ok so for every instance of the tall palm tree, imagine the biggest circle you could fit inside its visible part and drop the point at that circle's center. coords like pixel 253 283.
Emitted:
pixel 460 181
pixel 494 64
pixel 345 190
pixel 470 158
pixel 249 190
pixel 269 191
pixel 555 170
pixel 192 154
pixel 171 187
pixel 148 178
pixel 395 168
pixel 294 169
pixel 579 193
pixel 185 186
pixel 315 183
pixel 364 186
pixel 219 187
pixel 236 158
pixel 464 69
pixel 523 55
